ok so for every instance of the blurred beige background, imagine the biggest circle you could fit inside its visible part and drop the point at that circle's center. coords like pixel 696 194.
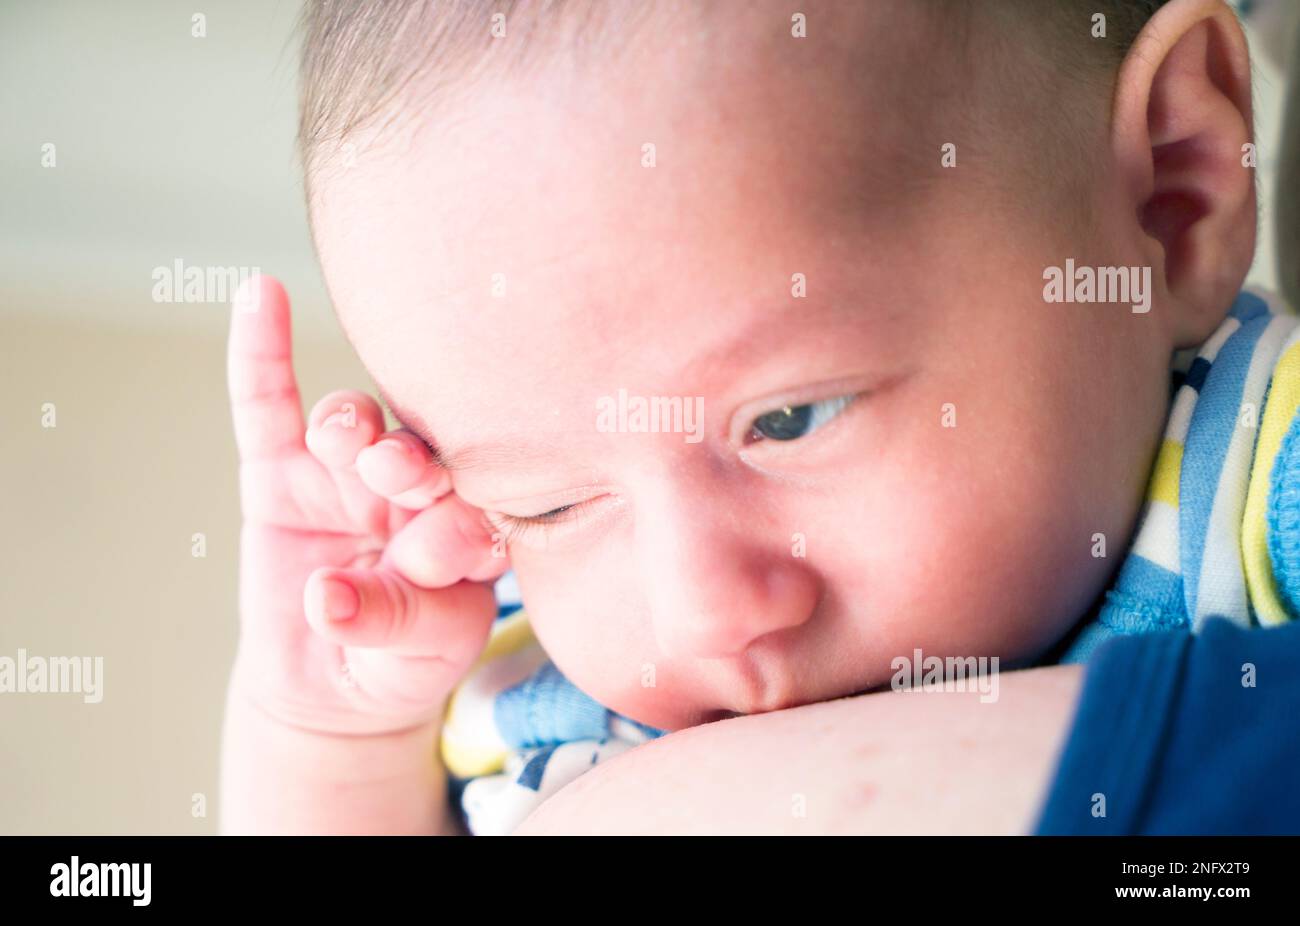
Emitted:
pixel 167 146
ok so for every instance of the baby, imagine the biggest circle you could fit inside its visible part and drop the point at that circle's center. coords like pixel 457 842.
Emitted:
pixel 547 226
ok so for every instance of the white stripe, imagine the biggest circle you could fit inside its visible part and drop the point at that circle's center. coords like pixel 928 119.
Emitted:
pixel 1222 586
pixel 1225 331
pixel 1180 417
pixel 1157 541
pixel 1290 342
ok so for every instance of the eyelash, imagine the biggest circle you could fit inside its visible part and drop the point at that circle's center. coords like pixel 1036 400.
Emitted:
pixel 514 527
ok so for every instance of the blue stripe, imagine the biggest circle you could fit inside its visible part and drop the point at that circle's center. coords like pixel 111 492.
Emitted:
pixel 531 775
pixel 1196 375
pixel 1284 519
pixel 1213 422
pixel 1247 307
pixel 1146 597
pixel 545 709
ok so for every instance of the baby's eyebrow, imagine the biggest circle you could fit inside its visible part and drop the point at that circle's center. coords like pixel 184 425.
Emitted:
pixel 472 457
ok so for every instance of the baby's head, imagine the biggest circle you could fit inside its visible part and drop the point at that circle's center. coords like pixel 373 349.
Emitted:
pixel 827 225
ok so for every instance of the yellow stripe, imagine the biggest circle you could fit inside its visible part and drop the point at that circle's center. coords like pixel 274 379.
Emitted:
pixel 1164 480
pixel 1283 401
pixel 463 757
pixel 509 635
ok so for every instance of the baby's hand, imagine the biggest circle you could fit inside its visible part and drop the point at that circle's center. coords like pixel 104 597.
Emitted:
pixel 364 581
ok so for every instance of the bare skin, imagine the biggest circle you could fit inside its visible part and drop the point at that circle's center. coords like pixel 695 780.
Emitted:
pixel 645 549
pixel 887 763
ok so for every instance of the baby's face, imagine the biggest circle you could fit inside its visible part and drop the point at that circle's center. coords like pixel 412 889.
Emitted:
pixel 511 266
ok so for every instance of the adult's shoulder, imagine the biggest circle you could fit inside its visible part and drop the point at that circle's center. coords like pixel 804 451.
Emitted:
pixel 882 763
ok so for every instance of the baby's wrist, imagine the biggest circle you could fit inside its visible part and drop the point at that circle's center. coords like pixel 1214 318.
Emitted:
pixel 327 712
pixel 277 777
pixel 247 707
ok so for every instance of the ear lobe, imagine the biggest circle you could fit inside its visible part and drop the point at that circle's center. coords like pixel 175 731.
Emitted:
pixel 1181 123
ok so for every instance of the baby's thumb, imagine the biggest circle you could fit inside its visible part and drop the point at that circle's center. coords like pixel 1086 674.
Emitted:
pixel 378 609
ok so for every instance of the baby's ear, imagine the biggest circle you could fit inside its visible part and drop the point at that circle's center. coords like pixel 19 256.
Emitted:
pixel 1182 135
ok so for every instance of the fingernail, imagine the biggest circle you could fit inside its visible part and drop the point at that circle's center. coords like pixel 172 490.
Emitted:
pixel 339 600
pixel 391 443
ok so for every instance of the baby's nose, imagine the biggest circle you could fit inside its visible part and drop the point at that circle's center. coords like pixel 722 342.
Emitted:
pixel 714 610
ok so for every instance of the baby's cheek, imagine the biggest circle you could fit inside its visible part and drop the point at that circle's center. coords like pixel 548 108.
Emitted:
pixel 992 556
pixel 584 610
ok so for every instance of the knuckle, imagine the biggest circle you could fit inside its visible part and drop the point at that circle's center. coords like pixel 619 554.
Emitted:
pixel 399 597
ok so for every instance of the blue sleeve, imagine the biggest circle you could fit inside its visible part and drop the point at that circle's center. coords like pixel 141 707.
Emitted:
pixel 1176 733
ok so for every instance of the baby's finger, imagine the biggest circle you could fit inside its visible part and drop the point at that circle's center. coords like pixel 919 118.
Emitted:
pixel 400 468
pixel 264 399
pixel 378 609
pixel 444 544
pixel 340 425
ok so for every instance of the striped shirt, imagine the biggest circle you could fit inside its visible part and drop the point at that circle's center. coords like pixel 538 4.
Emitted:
pixel 1220 530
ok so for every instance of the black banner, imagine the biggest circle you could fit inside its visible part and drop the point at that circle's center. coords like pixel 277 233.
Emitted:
pixel 139 874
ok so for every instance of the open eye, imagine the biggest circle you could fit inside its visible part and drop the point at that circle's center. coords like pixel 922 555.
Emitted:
pixel 791 422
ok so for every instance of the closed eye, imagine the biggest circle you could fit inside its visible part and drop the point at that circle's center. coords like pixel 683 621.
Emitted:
pixel 547 515
pixel 516 527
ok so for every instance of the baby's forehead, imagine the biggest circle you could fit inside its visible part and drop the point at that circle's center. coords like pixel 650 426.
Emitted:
pixel 882 69
pixel 877 97
pixel 743 105
pixel 739 148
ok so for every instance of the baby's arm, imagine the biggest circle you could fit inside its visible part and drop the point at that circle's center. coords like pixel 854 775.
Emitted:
pixel 364 597
pixel 279 779
pixel 891 762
